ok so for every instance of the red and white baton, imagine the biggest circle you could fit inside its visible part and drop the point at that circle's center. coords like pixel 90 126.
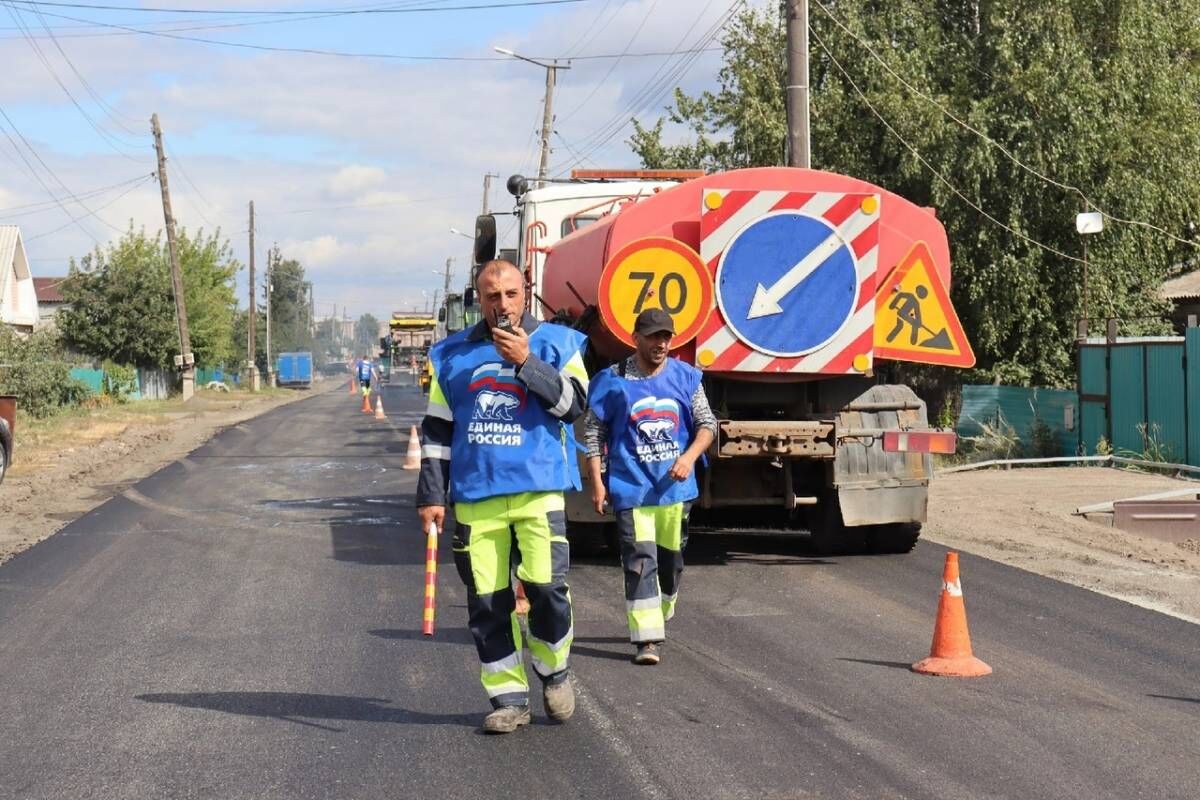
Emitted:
pixel 431 548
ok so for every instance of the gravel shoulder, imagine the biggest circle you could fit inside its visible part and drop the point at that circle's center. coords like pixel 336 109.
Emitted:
pixel 66 467
pixel 1023 518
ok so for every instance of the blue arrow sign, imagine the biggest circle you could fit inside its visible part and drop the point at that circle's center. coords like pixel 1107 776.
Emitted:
pixel 787 283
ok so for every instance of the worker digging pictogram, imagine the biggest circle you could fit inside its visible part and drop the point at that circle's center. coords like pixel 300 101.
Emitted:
pixel 914 319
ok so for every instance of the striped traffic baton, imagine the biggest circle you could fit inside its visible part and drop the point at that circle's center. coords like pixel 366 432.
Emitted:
pixel 431 548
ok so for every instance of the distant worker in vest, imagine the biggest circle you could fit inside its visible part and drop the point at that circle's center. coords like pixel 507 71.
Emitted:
pixel 651 415
pixel 365 370
pixel 498 444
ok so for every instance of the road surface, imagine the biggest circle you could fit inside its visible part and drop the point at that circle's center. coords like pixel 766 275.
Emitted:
pixel 246 623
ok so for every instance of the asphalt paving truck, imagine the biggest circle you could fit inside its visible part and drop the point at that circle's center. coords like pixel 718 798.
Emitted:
pixel 787 287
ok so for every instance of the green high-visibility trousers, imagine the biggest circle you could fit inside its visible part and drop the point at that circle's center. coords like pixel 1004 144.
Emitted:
pixel 484 542
pixel 652 542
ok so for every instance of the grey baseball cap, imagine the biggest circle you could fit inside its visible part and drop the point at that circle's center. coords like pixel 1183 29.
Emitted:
pixel 653 320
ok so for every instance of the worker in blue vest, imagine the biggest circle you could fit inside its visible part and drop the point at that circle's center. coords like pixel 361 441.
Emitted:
pixel 498 444
pixel 650 413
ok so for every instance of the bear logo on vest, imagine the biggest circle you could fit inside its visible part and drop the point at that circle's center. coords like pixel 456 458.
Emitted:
pixel 495 405
pixel 656 422
pixel 498 397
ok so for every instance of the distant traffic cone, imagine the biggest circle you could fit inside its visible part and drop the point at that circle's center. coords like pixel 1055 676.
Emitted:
pixel 379 408
pixel 522 600
pixel 412 459
pixel 353 386
pixel 366 406
pixel 951 654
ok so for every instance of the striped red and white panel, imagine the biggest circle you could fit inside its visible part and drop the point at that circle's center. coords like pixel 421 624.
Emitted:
pixel 718 347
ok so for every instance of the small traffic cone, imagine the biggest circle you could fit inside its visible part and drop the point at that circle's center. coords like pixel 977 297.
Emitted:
pixel 379 408
pixel 412 459
pixel 353 386
pixel 366 406
pixel 950 655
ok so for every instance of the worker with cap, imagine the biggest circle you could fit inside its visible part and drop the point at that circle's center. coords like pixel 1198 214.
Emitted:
pixel 650 413
pixel 498 444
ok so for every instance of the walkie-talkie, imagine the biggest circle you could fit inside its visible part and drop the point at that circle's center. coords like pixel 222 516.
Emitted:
pixel 504 323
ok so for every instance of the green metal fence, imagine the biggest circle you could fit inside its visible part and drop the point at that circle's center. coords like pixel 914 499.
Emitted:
pixel 1142 396
pixel 1044 420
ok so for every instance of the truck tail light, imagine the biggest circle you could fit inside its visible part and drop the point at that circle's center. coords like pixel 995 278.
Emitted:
pixel 942 442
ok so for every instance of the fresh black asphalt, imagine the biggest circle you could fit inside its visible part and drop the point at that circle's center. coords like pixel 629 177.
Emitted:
pixel 246 623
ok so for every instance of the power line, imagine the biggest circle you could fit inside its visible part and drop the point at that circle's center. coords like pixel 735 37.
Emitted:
pixel 107 137
pixel 930 166
pixel 37 208
pixel 613 66
pixel 652 92
pixel 1004 150
pixel 127 30
pixel 289 12
pixel 92 213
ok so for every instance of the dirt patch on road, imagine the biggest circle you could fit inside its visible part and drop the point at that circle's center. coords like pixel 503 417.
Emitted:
pixel 1024 518
pixel 66 467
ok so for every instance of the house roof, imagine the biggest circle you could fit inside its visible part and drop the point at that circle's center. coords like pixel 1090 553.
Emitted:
pixel 1183 287
pixel 47 290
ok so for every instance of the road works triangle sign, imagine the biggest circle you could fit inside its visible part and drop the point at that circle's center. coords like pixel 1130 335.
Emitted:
pixel 914 320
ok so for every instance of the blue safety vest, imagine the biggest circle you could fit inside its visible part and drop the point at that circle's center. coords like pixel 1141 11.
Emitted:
pixel 364 370
pixel 504 440
pixel 649 425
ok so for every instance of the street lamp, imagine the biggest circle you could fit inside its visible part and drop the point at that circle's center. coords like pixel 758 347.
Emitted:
pixel 456 231
pixel 547 117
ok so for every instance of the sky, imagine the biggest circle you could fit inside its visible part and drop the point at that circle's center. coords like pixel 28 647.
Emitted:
pixel 358 166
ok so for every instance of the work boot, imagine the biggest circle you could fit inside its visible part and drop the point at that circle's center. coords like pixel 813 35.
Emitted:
pixel 647 654
pixel 506 719
pixel 559 698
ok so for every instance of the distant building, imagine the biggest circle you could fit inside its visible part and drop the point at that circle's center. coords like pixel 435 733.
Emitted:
pixel 18 298
pixel 1183 292
pixel 49 300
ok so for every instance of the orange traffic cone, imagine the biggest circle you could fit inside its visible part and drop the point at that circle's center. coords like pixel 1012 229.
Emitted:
pixel 412 459
pixel 366 406
pixel 353 386
pixel 951 654
pixel 379 408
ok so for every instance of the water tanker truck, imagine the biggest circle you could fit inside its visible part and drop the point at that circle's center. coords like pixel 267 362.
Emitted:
pixel 788 288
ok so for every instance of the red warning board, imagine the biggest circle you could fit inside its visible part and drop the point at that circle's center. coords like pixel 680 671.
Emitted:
pixel 914 319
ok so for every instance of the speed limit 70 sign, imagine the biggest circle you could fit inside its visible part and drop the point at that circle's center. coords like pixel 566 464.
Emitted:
pixel 655 272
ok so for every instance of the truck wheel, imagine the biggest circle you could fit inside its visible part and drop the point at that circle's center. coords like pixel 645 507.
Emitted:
pixel 829 536
pixel 898 537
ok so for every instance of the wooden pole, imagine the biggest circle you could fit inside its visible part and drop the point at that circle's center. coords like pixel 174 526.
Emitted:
pixel 186 361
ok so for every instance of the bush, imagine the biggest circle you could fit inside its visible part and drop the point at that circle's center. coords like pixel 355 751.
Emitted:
pixel 36 373
pixel 120 382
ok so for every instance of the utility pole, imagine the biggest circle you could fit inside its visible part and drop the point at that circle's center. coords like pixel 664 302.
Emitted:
pixel 487 189
pixel 446 290
pixel 185 359
pixel 797 84
pixel 270 289
pixel 547 120
pixel 252 318
pixel 548 111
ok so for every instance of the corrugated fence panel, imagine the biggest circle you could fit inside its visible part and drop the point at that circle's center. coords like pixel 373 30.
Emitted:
pixel 1128 396
pixel 1165 400
pixel 1093 391
pixel 1093 377
pixel 92 378
pixel 1193 395
pixel 1022 408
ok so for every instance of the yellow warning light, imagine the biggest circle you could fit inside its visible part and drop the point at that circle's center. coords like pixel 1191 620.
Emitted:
pixel 861 362
pixel 713 200
pixel 706 358
pixel 870 204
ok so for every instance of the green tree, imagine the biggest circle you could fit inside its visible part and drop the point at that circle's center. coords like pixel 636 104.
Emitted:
pixel 121 308
pixel 34 368
pixel 288 295
pixel 366 334
pixel 1095 94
